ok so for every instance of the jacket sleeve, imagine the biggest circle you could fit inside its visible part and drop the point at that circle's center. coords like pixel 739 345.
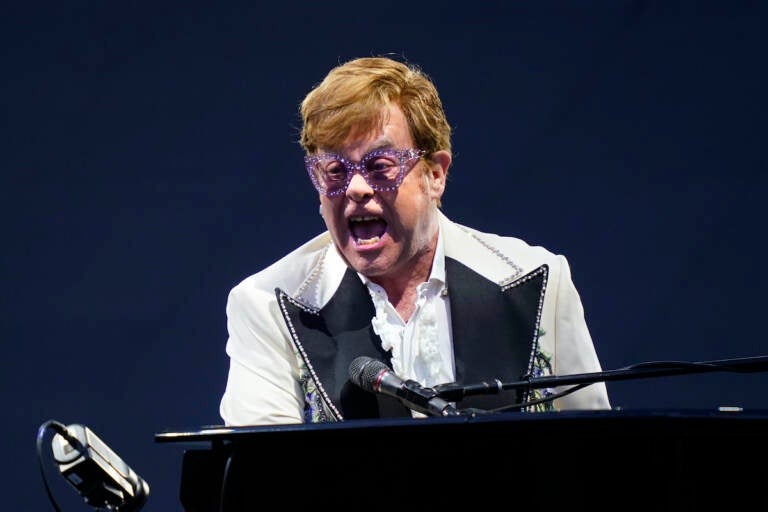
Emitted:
pixel 262 384
pixel 574 350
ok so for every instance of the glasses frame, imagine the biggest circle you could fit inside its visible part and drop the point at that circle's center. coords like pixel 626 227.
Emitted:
pixel 404 156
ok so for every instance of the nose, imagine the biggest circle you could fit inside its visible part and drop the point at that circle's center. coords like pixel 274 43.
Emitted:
pixel 358 188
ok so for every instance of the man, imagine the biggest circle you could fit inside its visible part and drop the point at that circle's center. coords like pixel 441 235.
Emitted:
pixel 393 278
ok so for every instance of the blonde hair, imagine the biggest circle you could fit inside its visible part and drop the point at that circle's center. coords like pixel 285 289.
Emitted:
pixel 352 97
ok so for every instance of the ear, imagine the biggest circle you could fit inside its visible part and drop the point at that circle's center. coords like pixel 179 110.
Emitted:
pixel 438 165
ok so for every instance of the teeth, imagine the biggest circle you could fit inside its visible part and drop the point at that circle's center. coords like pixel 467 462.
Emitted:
pixel 363 218
pixel 367 241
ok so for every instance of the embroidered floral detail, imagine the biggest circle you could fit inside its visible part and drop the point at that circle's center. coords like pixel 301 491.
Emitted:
pixel 314 407
pixel 542 366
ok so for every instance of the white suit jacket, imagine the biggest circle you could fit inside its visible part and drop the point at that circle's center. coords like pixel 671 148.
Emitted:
pixel 294 326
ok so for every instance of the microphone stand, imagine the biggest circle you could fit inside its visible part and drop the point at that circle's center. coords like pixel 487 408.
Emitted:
pixel 455 392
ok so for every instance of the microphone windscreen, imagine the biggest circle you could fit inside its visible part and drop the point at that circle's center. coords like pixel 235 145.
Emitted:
pixel 364 372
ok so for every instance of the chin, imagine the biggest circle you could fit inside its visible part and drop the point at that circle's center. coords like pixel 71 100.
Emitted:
pixel 368 267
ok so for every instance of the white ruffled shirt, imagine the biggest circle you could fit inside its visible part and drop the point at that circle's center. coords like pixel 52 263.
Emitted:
pixel 421 348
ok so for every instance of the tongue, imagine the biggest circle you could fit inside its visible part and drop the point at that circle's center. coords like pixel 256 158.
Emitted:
pixel 368 229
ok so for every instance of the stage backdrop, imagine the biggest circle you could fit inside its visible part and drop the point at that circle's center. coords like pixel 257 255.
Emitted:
pixel 150 162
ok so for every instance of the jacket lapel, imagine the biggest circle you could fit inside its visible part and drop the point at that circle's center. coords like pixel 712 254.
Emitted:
pixel 329 339
pixel 495 329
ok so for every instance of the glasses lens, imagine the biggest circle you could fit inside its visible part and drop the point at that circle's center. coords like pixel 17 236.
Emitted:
pixel 330 173
pixel 382 168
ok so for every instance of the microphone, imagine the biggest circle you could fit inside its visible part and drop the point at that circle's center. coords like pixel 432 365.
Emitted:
pixel 376 377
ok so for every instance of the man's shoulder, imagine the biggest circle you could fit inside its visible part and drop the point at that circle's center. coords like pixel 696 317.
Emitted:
pixel 498 257
pixel 289 271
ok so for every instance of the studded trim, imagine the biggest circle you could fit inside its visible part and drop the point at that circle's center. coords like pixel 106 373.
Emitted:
pixel 516 269
pixel 327 403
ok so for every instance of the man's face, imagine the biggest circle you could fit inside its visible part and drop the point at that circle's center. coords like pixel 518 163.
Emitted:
pixel 384 234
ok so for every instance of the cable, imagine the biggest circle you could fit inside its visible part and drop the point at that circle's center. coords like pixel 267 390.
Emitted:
pixel 738 365
pixel 41 431
pixel 548 398
pixel 225 483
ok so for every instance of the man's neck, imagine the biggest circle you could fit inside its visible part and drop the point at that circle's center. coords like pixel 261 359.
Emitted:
pixel 401 286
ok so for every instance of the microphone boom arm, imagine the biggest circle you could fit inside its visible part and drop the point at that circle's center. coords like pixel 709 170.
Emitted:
pixel 455 392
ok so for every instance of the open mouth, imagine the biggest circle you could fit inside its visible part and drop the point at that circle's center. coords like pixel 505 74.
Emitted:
pixel 367 229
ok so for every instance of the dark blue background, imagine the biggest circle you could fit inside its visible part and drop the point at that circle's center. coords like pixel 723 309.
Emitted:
pixel 149 163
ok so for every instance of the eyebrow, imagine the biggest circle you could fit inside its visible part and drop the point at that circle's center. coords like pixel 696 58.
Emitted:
pixel 380 143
